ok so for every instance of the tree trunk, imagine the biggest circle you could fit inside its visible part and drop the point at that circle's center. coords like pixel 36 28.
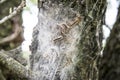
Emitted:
pixel 110 62
pixel 67 39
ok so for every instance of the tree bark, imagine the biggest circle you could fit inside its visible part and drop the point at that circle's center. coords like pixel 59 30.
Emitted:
pixel 14 69
pixel 67 39
pixel 110 62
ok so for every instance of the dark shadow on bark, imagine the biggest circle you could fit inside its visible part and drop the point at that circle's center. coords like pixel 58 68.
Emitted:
pixel 110 62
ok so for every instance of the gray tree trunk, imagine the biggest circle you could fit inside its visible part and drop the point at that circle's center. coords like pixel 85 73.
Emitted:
pixel 110 62
pixel 67 39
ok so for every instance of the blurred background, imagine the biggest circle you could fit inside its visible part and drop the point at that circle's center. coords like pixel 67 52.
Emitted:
pixel 30 20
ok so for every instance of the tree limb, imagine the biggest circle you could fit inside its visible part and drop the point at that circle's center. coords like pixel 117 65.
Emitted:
pixel 15 67
pixel 20 7
pixel 17 30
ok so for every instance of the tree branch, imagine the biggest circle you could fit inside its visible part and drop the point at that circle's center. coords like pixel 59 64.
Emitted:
pixel 20 7
pixel 17 30
pixel 2 1
pixel 15 67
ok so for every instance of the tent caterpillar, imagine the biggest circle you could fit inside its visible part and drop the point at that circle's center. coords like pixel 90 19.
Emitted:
pixel 65 27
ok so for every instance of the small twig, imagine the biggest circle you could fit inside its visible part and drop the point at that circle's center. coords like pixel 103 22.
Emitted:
pixel 12 36
pixel 107 27
pixel 91 11
pixel 17 31
pixel 20 7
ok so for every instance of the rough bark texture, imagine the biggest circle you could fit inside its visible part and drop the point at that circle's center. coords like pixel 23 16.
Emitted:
pixel 67 39
pixel 110 62
pixel 91 40
pixel 11 69
pixel 12 66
